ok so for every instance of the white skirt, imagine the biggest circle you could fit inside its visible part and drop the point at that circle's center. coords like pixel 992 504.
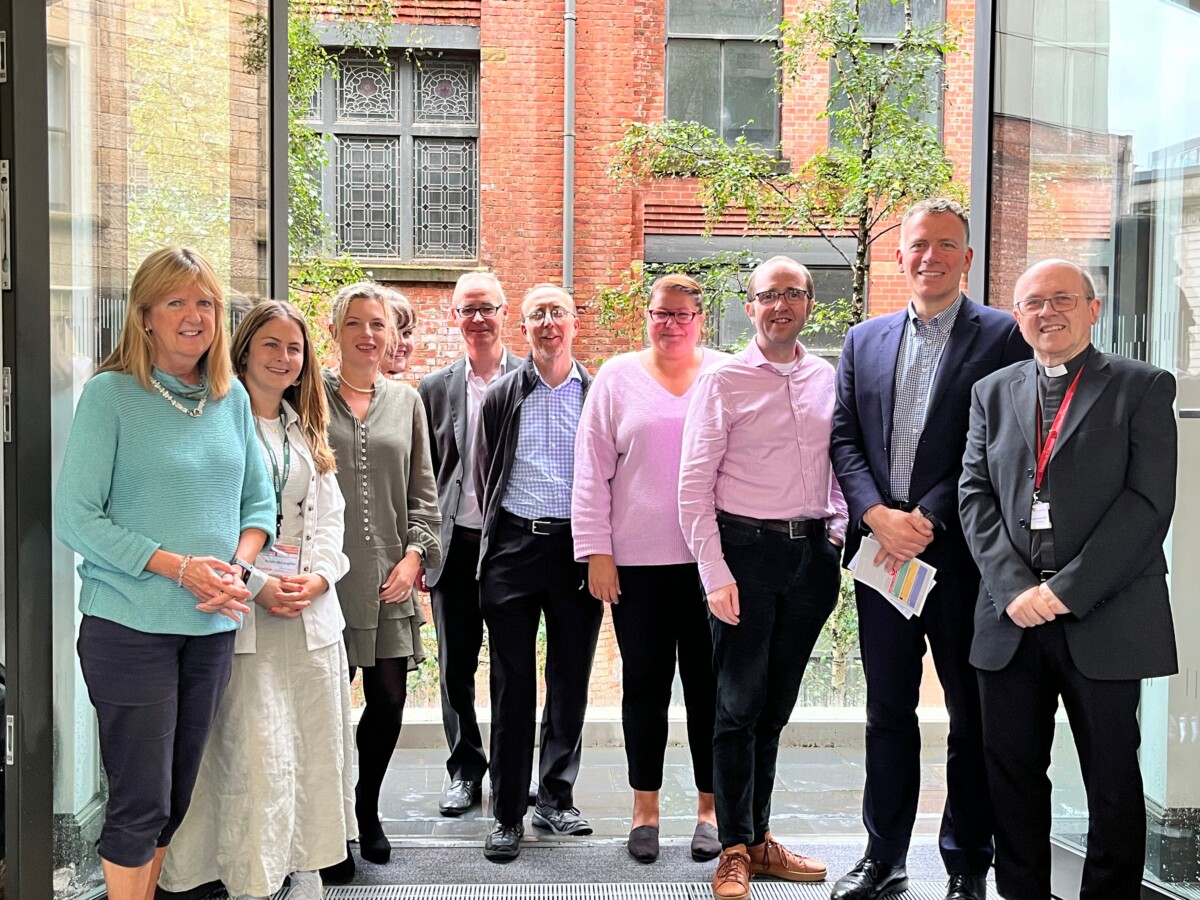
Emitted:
pixel 275 792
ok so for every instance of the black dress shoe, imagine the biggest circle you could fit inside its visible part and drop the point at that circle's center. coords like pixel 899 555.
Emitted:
pixel 373 845
pixel 870 879
pixel 339 873
pixel 504 843
pixel 460 797
pixel 560 821
pixel 967 887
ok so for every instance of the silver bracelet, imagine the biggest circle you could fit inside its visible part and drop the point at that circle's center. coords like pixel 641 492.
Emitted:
pixel 183 569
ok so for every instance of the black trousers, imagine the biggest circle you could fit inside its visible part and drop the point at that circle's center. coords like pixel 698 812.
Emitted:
pixel 786 591
pixel 526 576
pixel 892 651
pixel 1019 703
pixel 156 696
pixel 662 615
pixel 459 625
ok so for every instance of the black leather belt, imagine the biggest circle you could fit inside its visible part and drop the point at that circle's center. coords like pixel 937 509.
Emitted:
pixel 540 527
pixel 902 505
pixel 470 535
pixel 795 529
pixel 1046 574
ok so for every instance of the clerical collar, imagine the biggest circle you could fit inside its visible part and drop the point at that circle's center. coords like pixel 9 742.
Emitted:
pixel 1070 367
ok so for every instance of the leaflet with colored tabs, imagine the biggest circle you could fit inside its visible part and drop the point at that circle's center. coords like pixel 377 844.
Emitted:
pixel 906 588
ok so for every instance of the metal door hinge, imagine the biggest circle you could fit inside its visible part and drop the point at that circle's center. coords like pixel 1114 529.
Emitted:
pixel 10 733
pixel 5 231
pixel 3 57
pixel 6 403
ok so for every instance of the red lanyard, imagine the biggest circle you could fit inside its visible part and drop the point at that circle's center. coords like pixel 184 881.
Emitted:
pixel 1044 452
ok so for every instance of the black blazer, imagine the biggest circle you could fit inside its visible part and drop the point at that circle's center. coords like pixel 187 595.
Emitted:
pixel 1112 494
pixel 444 394
pixel 983 340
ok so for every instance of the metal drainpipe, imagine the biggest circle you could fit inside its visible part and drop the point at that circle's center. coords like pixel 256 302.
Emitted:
pixel 568 226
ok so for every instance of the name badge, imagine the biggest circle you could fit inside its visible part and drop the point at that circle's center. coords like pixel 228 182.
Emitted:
pixel 281 559
pixel 1039 517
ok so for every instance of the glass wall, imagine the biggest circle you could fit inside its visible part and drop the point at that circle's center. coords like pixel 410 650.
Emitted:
pixel 1096 149
pixel 157 136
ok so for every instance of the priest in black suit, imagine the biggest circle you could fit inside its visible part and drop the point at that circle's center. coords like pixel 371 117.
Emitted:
pixel 1066 496
pixel 452 397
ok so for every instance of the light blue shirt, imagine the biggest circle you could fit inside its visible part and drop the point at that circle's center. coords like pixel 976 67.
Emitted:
pixel 543 471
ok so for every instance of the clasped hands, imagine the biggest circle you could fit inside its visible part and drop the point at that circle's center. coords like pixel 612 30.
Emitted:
pixel 1035 606
pixel 217 585
pixel 901 535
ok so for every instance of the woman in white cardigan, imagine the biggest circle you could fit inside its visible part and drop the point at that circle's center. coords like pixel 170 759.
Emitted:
pixel 275 793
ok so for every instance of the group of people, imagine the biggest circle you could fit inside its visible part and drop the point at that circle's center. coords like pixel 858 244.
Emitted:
pixel 229 594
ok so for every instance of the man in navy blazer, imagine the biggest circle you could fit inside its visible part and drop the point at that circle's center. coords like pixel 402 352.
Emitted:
pixel 899 430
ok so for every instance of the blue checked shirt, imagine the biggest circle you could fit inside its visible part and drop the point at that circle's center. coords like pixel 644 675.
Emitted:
pixel 921 348
pixel 543 471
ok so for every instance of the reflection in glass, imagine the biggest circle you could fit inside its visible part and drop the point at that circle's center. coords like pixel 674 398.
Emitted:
pixel 157 136
pixel 1096 148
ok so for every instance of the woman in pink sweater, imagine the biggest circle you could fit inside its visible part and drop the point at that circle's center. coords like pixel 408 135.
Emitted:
pixel 625 519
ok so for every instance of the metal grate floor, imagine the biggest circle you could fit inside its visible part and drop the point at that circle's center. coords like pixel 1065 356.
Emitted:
pixel 923 890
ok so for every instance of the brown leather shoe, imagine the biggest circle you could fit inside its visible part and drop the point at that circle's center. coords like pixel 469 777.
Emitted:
pixel 732 880
pixel 772 858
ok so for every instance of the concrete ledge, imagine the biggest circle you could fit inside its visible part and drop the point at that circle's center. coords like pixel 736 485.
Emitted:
pixel 807 728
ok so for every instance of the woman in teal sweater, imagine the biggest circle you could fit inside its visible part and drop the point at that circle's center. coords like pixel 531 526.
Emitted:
pixel 165 495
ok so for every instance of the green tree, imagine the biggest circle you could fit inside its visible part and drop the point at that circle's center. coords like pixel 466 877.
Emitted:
pixel 881 156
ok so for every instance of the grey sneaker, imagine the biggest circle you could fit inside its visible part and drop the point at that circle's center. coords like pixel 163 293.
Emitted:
pixel 306 886
pixel 561 821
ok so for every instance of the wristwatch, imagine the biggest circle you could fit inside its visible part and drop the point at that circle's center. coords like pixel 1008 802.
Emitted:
pixel 246 568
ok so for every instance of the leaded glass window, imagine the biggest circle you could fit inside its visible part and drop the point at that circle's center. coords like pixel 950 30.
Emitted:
pixel 721 69
pixel 402 139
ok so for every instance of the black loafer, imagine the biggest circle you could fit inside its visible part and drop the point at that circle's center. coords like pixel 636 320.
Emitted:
pixel 705 844
pixel 460 797
pixel 967 887
pixel 870 879
pixel 504 842
pixel 561 821
pixel 643 843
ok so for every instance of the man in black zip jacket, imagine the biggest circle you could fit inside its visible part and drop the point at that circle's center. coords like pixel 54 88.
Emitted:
pixel 524 467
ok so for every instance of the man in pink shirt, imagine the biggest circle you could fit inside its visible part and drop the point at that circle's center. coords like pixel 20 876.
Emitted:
pixel 764 517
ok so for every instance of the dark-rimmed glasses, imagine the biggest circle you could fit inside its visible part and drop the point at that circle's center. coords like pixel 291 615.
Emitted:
pixel 1031 306
pixel 470 312
pixel 791 295
pixel 682 316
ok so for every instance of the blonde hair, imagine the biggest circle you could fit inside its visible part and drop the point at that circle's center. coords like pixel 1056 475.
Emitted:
pixel 160 273
pixel 402 309
pixel 365 290
pixel 684 284
pixel 307 396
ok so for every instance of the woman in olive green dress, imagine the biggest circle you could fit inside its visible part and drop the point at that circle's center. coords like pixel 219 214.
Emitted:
pixel 378 431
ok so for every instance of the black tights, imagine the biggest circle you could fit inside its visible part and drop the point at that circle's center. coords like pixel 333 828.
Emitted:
pixel 385 688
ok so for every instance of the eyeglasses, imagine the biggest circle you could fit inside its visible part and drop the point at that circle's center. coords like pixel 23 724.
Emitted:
pixel 791 295
pixel 557 313
pixel 469 312
pixel 1031 306
pixel 662 316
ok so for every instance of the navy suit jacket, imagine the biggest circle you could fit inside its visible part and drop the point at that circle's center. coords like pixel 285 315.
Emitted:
pixel 983 341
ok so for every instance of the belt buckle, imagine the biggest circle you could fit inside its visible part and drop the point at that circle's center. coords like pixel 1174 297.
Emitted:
pixel 533 527
pixel 792 523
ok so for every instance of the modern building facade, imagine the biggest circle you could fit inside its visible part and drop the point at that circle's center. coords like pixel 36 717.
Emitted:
pixel 126 123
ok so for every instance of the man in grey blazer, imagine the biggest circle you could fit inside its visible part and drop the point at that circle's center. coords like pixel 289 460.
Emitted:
pixel 1066 495
pixel 452 397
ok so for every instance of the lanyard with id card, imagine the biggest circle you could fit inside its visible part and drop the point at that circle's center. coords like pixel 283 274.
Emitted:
pixel 281 559
pixel 1039 515
pixel 278 478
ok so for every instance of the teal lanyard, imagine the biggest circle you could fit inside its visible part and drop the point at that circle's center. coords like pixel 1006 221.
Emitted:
pixel 278 479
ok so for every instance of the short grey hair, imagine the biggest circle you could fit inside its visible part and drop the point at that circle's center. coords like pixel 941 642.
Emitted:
pixel 493 282
pixel 937 205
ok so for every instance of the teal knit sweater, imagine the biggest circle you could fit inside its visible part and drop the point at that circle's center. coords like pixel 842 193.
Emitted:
pixel 139 475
